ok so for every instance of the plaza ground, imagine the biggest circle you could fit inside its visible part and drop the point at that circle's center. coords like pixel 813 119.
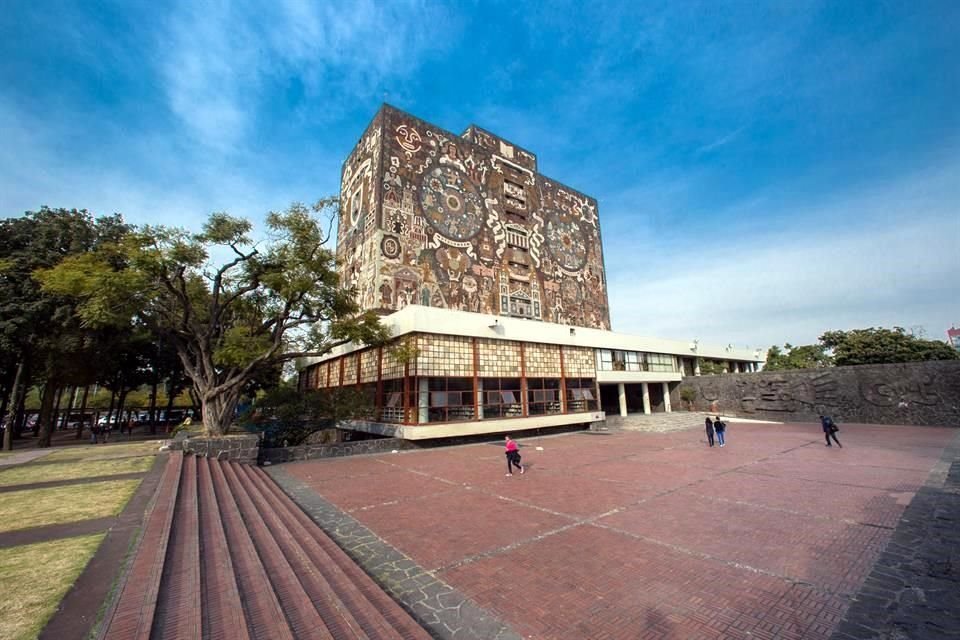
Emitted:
pixel 636 535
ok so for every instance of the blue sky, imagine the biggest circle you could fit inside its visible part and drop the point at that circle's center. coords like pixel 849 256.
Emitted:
pixel 766 171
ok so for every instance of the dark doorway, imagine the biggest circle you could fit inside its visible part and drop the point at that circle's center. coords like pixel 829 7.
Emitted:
pixel 656 397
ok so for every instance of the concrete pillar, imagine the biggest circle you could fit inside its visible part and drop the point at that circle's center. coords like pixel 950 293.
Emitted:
pixel 622 395
pixel 666 397
pixel 424 400
pixel 696 366
pixel 480 398
pixel 646 398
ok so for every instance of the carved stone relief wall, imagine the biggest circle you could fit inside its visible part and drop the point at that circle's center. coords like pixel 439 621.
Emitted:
pixel 920 393
pixel 466 223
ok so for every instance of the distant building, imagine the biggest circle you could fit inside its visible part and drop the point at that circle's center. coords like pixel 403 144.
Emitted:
pixel 953 337
pixel 491 276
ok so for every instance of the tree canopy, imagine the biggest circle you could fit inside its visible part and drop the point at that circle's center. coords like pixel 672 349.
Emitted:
pixel 882 346
pixel 810 356
pixel 229 319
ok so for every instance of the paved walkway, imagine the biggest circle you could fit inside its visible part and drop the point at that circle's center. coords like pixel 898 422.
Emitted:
pixel 21 457
pixel 631 535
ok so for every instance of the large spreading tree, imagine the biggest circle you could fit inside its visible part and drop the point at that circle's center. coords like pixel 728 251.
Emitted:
pixel 882 346
pixel 232 308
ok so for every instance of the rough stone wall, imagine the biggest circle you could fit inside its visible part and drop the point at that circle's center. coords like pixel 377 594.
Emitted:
pixel 243 449
pixel 919 393
pixel 334 450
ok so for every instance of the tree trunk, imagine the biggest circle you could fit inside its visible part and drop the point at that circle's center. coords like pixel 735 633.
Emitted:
pixel 54 423
pixel 11 418
pixel 218 411
pixel 153 407
pixel 121 402
pixel 166 415
pixel 21 420
pixel 83 412
pixel 45 420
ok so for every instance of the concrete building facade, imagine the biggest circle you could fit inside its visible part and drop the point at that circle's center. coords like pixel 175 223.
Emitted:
pixel 491 279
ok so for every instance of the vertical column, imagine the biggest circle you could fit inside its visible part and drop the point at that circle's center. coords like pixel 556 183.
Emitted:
pixel 479 400
pixel 423 400
pixel 477 382
pixel 646 398
pixel 666 397
pixel 563 383
pixel 523 382
pixel 622 396
pixel 379 399
pixel 696 366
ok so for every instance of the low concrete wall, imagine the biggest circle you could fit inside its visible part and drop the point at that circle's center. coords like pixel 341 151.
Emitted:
pixel 917 393
pixel 240 448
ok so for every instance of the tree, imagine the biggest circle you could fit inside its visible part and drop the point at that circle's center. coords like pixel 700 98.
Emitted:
pixel 40 328
pixel 883 346
pixel 711 367
pixel 229 322
pixel 811 356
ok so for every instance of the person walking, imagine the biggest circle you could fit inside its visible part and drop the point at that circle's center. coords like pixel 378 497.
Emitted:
pixel 721 428
pixel 513 456
pixel 708 424
pixel 830 430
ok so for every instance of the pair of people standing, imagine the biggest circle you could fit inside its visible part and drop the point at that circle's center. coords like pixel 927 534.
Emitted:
pixel 719 427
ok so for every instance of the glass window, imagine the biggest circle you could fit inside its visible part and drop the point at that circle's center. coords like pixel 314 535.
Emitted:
pixel 543 396
pixel 580 396
pixel 502 398
pixel 450 399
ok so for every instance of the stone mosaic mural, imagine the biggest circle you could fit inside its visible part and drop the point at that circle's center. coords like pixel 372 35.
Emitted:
pixel 466 223
pixel 921 393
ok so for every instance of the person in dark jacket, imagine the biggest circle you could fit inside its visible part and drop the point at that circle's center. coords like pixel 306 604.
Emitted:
pixel 830 430
pixel 721 428
pixel 708 424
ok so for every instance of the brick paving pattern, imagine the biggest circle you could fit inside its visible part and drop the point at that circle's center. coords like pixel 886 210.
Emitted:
pixel 629 534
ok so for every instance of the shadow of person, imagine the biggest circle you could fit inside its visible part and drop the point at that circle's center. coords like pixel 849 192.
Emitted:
pixel 658 624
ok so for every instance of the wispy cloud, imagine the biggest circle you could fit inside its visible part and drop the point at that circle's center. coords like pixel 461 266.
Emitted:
pixel 220 61
pixel 877 256
pixel 721 141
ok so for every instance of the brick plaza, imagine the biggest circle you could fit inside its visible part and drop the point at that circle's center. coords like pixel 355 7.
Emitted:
pixel 645 535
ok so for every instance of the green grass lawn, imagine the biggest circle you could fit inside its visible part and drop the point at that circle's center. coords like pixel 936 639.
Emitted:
pixel 30 473
pixel 103 451
pixel 56 505
pixel 35 577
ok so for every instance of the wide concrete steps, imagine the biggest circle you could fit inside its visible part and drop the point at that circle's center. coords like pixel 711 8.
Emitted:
pixel 226 554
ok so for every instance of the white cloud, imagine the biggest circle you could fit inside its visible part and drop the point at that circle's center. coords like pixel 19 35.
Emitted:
pixel 876 257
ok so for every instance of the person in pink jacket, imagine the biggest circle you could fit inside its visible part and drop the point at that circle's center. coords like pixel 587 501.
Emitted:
pixel 513 456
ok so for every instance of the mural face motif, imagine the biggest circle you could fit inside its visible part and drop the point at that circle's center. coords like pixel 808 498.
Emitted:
pixel 466 222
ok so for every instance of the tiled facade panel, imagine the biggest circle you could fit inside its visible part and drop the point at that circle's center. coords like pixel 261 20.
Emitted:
pixel 435 219
pixel 499 358
pixel 542 360
pixel 450 356
pixel 350 369
pixel 368 365
pixel 579 362
pixel 392 367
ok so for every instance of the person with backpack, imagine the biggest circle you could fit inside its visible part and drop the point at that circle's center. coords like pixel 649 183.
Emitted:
pixel 721 428
pixel 708 424
pixel 830 430
pixel 513 456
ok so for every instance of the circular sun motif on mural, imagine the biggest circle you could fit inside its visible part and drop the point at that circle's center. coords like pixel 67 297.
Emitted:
pixel 564 240
pixel 452 203
pixel 390 247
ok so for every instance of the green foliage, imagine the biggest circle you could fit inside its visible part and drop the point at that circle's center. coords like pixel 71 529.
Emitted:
pixel 230 323
pixel 688 395
pixel 811 356
pixel 882 346
pixel 711 367
pixel 287 417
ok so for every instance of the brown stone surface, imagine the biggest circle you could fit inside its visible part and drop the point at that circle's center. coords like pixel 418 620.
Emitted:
pixel 635 535
pixel 921 393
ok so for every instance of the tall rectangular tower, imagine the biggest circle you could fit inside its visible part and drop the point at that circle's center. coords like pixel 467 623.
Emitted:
pixel 466 222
